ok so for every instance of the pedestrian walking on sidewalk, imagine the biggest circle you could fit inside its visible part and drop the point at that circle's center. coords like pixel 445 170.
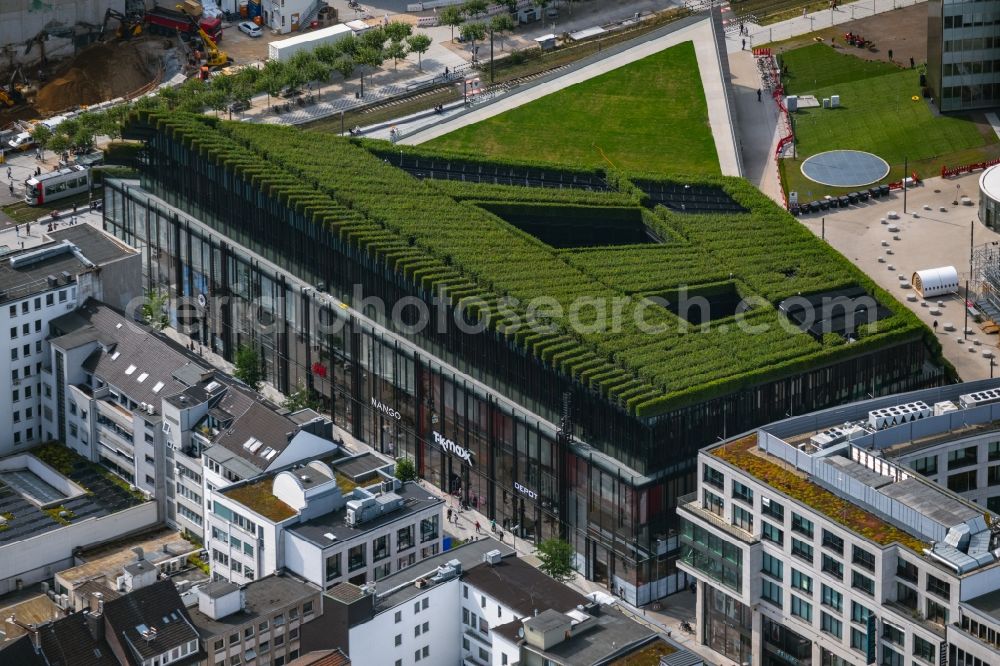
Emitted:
pixel 477 528
pixel 493 526
pixel 744 45
pixel 9 175
pixel 449 514
pixel 758 95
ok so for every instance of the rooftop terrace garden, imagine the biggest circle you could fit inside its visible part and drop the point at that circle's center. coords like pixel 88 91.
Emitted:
pixel 258 497
pixel 440 237
pixel 740 454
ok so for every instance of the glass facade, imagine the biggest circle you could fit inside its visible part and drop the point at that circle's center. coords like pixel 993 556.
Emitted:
pixel 963 54
pixel 728 626
pixel 784 647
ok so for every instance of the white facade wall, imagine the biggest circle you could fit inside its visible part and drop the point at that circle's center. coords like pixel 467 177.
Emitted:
pixel 17 428
pixel 976 478
pixel 219 535
pixel 285 15
pixel 374 642
pixel 483 609
pixel 885 600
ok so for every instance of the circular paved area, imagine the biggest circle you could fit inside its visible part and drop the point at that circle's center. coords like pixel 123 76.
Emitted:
pixel 845 168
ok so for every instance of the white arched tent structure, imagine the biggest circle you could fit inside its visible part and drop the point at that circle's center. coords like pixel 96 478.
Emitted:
pixel 935 281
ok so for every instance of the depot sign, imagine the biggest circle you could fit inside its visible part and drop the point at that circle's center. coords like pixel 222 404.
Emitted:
pixel 525 491
pixel 452 447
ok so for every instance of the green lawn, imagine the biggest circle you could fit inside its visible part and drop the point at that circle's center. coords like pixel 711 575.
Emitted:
pixel 877 114
pixel 648 116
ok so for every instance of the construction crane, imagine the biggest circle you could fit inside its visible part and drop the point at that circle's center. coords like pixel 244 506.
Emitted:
pixel 214 56
pixel 127 27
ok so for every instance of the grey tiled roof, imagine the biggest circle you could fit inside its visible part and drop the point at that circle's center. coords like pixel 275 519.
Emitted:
pixel 157 606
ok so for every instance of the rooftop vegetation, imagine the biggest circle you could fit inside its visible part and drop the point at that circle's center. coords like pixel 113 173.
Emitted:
pixel 650 114
pixel 440 239
pixel 258 497
pixel 69 463
pixel 740 454
pixel 344 482
pixel 648 655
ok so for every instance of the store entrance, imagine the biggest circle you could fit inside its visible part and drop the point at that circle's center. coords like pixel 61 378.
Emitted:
pixel 599 560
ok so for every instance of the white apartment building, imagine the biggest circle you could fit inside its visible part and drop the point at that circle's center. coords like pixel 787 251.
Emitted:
pixel 476 605
pixel 36 286
pixel 811 546
pixel 328 521
pixel 161 418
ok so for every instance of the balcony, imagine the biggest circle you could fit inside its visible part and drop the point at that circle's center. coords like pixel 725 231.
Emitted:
pixel 115 412
pixel 916 617
pixel 706 555
pixel 689 504
pixel 114 434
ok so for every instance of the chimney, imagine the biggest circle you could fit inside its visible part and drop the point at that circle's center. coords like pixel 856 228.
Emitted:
pixel 139 554
pixel 30 629
pixel 95 623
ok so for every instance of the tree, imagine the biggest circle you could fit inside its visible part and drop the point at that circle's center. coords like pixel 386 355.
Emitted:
pixel 397 31
pixel 397 51
pixel 58 143
pixel 41 134
pixel 541 4
pixel 502 24
pixel 419 44
pixel 248 367
pixel 556 558
pixel 154 309
pixel 473 32
pixel 368 56
pixel 451 16
pixel 302 398
pixel 345 65
pixel 406 470
pixel 473 8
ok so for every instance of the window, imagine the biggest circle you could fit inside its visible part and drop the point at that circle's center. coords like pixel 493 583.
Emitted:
pixel 13 354
pixel 279 621
pixel 49 300
pixel 771 592
pixel 993 475
pixel 771 508
pixel 356 557
pixel 484 655
pixel 333 567
pixel 862 582
pixel 404 538
pixel 892 634
pixel 863 558
pixel 426 651
pixel 416 606
pixel 15 395
pixel 859 640
pixel 939 587
pixel 416 631
pixel 416 655
pixel 220 644
pixel 802 525
pixel 993 450
pixel 742 518
pixel 962 457
pixel 307 608
pixel 906 570
pixel 800 581
pixel 859 613
pixel 293 614
pixel 12 311
pixel 771 533
pixel 833 542
pixel 831 625
pixel 742 493
pixel 712 476
pixel 248 633
pixel 13 331
pixel 399 639
pixel 771 566
pixel 963 481
pixel 923 649
pixel 833 567
pixel 234 638
pixel 936 612
pixel 802 550
pixel 802 609
pixel 62 296
pixel 424 603
pixel 890 657
pixel 906 596
pixel 831 598
pixel 713 503
pixel 38 304
pixel 429 529
pixel 399 616
pixel 262 626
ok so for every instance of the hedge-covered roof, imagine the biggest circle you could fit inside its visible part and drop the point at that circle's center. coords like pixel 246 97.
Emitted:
pixel 434 233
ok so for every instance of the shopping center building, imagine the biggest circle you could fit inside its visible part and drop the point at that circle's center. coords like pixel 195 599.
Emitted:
pixel 484 417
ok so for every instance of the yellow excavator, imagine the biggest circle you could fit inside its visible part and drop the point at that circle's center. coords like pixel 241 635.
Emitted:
pixel 11 95
pixel 214 57
pixel 127 27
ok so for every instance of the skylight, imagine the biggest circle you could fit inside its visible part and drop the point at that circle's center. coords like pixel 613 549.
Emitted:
pixel 141 378
pixel 130 369
pixel 253 444
pixel 159 385
pixel 114 357
pixel 266 452
pixel 270 455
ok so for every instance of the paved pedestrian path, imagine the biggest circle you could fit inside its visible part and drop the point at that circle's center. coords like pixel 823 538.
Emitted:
pixel 699 32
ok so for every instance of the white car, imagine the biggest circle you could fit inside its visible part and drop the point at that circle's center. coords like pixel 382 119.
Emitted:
pixel 251 29
pixel 22 141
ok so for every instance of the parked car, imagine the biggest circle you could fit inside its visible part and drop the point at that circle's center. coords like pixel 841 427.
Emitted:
pixel 251 29
pixel 239 105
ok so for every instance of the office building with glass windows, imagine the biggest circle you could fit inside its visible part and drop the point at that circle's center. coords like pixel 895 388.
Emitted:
pixel 963 54
pixel 484 416
pixel 814 543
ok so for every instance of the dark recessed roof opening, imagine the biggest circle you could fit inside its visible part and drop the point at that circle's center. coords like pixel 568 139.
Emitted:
pixel 700 305
pixel 577 226
pixel 684 198
pixel 841 311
